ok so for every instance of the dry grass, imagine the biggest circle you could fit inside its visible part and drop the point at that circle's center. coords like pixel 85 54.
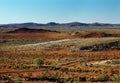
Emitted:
pixel 68 44
pixel 62 59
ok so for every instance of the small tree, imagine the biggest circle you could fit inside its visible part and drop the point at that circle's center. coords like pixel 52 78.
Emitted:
pixel 37 62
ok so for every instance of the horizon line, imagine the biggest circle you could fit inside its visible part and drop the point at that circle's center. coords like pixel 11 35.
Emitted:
pixel 58 22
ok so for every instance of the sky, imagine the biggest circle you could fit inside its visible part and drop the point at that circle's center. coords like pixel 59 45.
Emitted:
pixel 61 11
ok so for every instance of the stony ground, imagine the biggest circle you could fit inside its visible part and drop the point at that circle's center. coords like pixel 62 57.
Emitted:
pixel 71 44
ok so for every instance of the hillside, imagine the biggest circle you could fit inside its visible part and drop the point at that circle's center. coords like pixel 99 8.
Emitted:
pixel 25 30
pixel 92 44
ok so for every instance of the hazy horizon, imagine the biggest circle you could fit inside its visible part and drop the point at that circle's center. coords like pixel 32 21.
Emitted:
pixel 58 23
pixel 59 11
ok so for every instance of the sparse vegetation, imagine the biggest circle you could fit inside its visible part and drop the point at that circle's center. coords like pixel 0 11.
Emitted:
pixel 37 62
pixel 101 78
pixel 59 57
pixel 116 78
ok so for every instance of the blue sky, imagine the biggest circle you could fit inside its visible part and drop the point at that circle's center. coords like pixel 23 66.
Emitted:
pixel 43 11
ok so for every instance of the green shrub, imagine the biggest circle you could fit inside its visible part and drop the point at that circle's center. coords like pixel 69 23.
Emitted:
pixel 41 76
pixel 37 62
pixel 91 79
pixel 55 76
pixel 116 78
pixel 20 66
pixel 15 66
pixel 102 78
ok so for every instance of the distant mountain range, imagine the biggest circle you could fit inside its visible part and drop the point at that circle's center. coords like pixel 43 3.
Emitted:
pixel 72 24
